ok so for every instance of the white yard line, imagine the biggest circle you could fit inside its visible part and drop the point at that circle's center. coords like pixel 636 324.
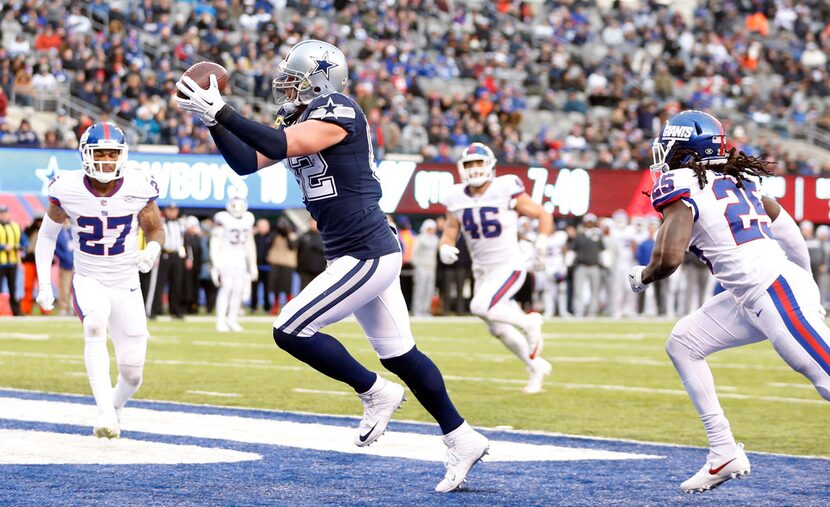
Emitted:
pixel 23 336
pixel 212 393
pixel 809 387
pixel 318 391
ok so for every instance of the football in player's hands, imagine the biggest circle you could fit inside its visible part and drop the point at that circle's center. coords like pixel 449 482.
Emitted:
pixel 200 73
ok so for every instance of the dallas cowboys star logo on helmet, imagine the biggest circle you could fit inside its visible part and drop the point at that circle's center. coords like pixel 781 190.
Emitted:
pixel 323 65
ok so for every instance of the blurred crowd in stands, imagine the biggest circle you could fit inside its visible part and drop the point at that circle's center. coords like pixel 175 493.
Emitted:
pixel 561 83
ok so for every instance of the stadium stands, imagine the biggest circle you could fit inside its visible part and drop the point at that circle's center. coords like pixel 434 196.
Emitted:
pixel 561 83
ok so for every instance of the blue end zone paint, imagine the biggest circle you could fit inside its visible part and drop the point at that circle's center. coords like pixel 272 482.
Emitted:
pixel 289 476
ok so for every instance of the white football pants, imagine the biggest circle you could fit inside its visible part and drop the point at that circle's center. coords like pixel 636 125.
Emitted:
pixel 368 288
pixel 787 314
pixel 233 279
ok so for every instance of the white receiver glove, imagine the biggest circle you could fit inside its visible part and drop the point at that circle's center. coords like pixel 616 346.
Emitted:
pixel 448 254
pixel 214 276
pixel 635 279
pixel 147 258
pixel 253 273
pixel 203 102
pixel 45 297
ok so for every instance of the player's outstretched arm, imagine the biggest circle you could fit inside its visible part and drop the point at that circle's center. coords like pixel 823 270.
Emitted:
pixel 45 252
pixel 447 250
pixel 526 207
pixel 250 254
pixel 149 219
pixel 786 232
pixel 671 243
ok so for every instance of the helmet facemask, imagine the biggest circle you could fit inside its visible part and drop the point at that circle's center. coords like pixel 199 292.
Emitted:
pixel 476 165
pixel 476 171
pixel 659 154
pixel 290 87
pixel 104 170
pixel 237 207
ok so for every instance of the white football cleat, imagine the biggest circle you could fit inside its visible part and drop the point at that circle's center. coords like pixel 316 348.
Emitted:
pixel 718 470
pixel 534 335
pixel 539 369
pixel 465 448
pixel 222 327
pixel 379 403
pixel 235 327
pixel 107 426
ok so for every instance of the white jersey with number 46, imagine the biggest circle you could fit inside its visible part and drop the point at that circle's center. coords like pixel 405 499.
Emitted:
pixel 488 221
pixel 731 231
pixel 104 228
pixel 235 233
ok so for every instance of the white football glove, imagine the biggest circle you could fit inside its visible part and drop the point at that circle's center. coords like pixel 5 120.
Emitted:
pixel 45 297
pixel 214 276
pixel 253 273
pixel 541 247
pixel 146 258
pixel 203 102
pixel 635 279
pixel 448 254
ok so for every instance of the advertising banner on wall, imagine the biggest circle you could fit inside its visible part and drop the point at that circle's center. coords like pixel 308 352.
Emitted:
pixel 206 181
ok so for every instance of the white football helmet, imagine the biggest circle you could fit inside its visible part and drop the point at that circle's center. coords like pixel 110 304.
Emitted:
pixel 476 165
pixel 312 69
pixel 103 136
pixel 237 206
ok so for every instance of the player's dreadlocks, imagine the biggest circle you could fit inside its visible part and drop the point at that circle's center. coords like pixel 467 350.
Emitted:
pixel 738 165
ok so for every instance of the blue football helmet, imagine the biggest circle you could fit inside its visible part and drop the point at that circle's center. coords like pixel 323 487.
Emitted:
pixel 475 167
pixel 103 136
pixel 692 130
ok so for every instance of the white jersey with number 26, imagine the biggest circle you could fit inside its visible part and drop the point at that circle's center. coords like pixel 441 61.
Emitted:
pixel 104 228
pixel 731 231
pixel 488 221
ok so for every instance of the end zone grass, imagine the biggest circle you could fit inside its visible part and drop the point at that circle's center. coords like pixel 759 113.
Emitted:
pixel 610 379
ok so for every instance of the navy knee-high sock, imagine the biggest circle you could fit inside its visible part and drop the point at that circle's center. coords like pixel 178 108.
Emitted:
pixel 425 381
pixel 328 356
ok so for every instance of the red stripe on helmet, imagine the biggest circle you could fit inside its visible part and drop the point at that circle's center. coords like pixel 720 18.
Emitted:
pixel 106 130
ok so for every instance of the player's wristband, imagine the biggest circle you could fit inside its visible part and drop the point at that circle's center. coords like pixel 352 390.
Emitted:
pixel 269 141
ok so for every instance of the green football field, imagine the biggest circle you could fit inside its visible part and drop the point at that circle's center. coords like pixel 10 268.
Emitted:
pixel 610 378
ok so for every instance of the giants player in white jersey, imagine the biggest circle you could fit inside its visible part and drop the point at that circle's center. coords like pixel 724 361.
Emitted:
pixel 105 204
pixel 233 261
pixel 712 205
pixel 487 207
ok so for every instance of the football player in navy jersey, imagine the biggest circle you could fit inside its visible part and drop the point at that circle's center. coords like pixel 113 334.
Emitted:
pixel 323 137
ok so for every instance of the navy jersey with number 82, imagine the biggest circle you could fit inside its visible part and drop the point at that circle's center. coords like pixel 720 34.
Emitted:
pixel 340 187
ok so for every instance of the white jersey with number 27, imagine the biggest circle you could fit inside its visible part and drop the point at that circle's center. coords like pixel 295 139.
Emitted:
pixel 731 231
pixel 104 228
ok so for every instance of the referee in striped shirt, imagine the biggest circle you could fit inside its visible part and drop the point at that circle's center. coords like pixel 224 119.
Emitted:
pixel 12 243
pixel 171 265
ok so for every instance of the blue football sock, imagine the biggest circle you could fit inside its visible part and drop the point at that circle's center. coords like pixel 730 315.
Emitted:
pixel 328 356
pixel 425 381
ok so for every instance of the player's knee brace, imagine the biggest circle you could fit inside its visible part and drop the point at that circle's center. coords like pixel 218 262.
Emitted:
pixel 131 374
pixel 95 326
